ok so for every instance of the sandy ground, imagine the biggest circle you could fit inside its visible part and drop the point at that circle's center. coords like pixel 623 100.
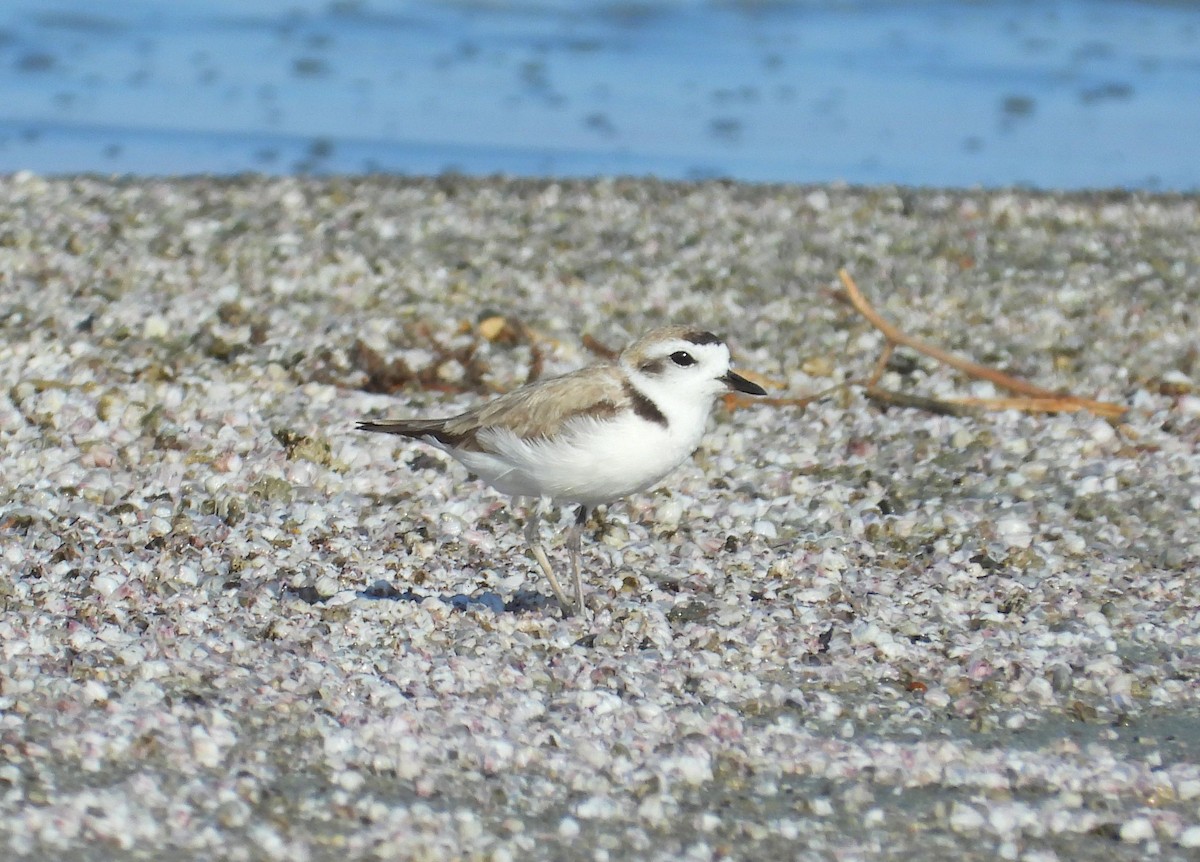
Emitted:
pixel 233 627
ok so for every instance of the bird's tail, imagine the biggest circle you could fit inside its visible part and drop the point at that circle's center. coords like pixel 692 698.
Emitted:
pixel 430 430
pixel 404 427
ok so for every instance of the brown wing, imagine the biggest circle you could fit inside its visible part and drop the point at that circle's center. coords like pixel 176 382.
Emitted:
pixel 536 410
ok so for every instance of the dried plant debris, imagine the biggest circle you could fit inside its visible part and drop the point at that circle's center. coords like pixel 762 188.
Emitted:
pixel 1033 398
pixel 420 359
pixel 1028 397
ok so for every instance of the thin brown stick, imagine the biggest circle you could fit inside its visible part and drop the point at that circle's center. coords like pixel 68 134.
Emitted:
pixel 897 336
pixel 881 364
pixel 734 400
pixel 537 361
pixel 920 402
pixel 1061 404
pixel 1053 401
pixel 598 347
pixel 761 379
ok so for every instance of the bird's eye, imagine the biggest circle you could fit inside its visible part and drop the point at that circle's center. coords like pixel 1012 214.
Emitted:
pixel 682 358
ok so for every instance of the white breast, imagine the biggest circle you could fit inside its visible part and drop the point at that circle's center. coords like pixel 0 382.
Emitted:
pixel 592 461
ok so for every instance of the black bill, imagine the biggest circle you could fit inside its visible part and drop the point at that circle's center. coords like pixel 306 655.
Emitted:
pixel 741 384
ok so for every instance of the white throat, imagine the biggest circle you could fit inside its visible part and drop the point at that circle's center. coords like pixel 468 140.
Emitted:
pixel 685 407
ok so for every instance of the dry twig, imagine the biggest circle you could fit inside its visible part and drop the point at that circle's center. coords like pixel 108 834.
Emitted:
pixel 920 402
pixel 511 331
pixel 599 348
pixel 1033 398
pixel 735 400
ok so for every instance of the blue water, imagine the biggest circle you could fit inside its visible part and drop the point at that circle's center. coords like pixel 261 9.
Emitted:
pixel 1072 94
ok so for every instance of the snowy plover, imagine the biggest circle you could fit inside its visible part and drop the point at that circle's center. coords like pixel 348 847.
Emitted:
pixel 591 436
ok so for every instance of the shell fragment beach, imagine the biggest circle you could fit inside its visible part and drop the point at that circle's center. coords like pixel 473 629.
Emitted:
pixel 233 627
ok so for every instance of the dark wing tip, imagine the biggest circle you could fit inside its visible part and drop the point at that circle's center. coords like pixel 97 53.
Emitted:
pixel 386 426
pixel 420 429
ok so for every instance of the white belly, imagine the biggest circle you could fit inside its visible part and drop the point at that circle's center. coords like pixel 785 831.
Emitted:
pixel 591 462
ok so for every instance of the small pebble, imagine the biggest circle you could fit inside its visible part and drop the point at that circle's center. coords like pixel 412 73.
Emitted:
pixel 1190 837
pixel 1136 830
pixel 965 818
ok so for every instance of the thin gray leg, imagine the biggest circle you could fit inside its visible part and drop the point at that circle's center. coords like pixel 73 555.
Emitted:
pixel 539 554
pixel 575 547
